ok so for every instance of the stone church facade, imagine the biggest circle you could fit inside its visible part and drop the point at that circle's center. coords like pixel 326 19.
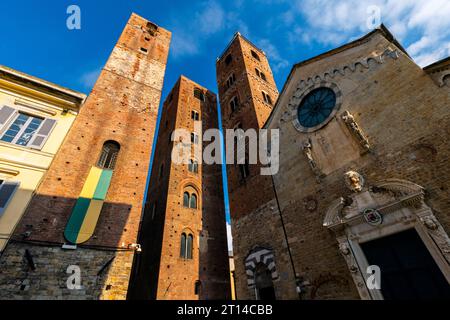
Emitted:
pixel 363 181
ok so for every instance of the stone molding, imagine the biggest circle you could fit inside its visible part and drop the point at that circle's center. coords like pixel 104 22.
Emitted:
pixel 402 204
pixel 259 255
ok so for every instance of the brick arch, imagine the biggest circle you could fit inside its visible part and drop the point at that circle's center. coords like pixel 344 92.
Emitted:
pixel 191 183
pixel 259 255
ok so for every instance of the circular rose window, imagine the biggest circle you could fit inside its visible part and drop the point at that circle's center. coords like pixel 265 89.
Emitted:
pixel 316 107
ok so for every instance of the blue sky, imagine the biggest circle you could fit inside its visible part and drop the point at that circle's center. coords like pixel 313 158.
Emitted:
pixel 35 38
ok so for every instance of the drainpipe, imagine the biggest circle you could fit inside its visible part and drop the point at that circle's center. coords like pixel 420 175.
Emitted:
pixel 297 281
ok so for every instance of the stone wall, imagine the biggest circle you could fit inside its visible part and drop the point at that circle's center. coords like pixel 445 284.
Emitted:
pixel 48 280
pixel 405 117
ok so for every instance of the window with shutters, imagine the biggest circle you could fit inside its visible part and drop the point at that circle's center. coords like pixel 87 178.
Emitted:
pixel 108 157
pixel 7 190
pixel 23 129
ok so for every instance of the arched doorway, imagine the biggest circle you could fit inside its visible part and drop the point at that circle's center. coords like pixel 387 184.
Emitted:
pixel 261 273
pixel 263 283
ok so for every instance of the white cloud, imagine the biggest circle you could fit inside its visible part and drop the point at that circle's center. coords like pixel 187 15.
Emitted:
pixel 89 78
pixel 211 18
pixel 183 44
pixel 189 35
pixel 276 60
pixel 426 23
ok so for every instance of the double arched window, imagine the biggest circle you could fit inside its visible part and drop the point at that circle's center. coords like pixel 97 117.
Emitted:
pixel 109 154
pixel 190 200
pixel 193 166
pixel 186 246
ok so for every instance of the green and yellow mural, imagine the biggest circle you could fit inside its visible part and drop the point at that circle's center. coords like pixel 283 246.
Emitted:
pixel 87 209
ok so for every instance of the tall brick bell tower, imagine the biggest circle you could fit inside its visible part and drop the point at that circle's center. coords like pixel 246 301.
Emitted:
pixel 87 210
pixel 183 233
pixel 247 93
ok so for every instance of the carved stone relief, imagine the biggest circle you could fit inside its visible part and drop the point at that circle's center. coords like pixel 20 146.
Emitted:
pixel 307 150
pixel 402 205
pixel 355 130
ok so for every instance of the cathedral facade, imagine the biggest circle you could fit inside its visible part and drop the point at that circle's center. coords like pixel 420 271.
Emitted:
pixel 359 208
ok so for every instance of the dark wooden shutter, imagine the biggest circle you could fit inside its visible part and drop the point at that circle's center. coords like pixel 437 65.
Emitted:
pixel 7 190
pixel 5 114
pixel 42 134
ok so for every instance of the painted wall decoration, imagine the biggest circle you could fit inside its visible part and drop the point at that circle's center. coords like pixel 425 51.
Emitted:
pixel 86 211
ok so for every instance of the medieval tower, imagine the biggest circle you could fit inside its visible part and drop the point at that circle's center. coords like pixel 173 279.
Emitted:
pixel 78 236
pixel 248 93
pixel 183 234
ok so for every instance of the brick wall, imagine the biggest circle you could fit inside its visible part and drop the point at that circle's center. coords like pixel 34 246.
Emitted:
pixel 169 275
pixel 123 107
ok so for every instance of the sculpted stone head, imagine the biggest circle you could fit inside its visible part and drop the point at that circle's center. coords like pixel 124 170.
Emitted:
pixel 354 181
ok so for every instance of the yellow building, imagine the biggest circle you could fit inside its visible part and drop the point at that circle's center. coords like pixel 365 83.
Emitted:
pixel 35 116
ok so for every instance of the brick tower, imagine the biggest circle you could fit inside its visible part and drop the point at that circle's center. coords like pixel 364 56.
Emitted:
pixel 247 93
pixel 86 211
pixel 183 233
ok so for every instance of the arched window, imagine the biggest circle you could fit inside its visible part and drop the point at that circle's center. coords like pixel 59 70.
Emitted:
pixel 190 240
pixel 197 287
pixel 234 104
pixel 193 202
pixel 190 199
pixel 193 166
pixel 186 198
pixel 109 154
pixel 183 246
pixel 186 246
pixel 194 138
